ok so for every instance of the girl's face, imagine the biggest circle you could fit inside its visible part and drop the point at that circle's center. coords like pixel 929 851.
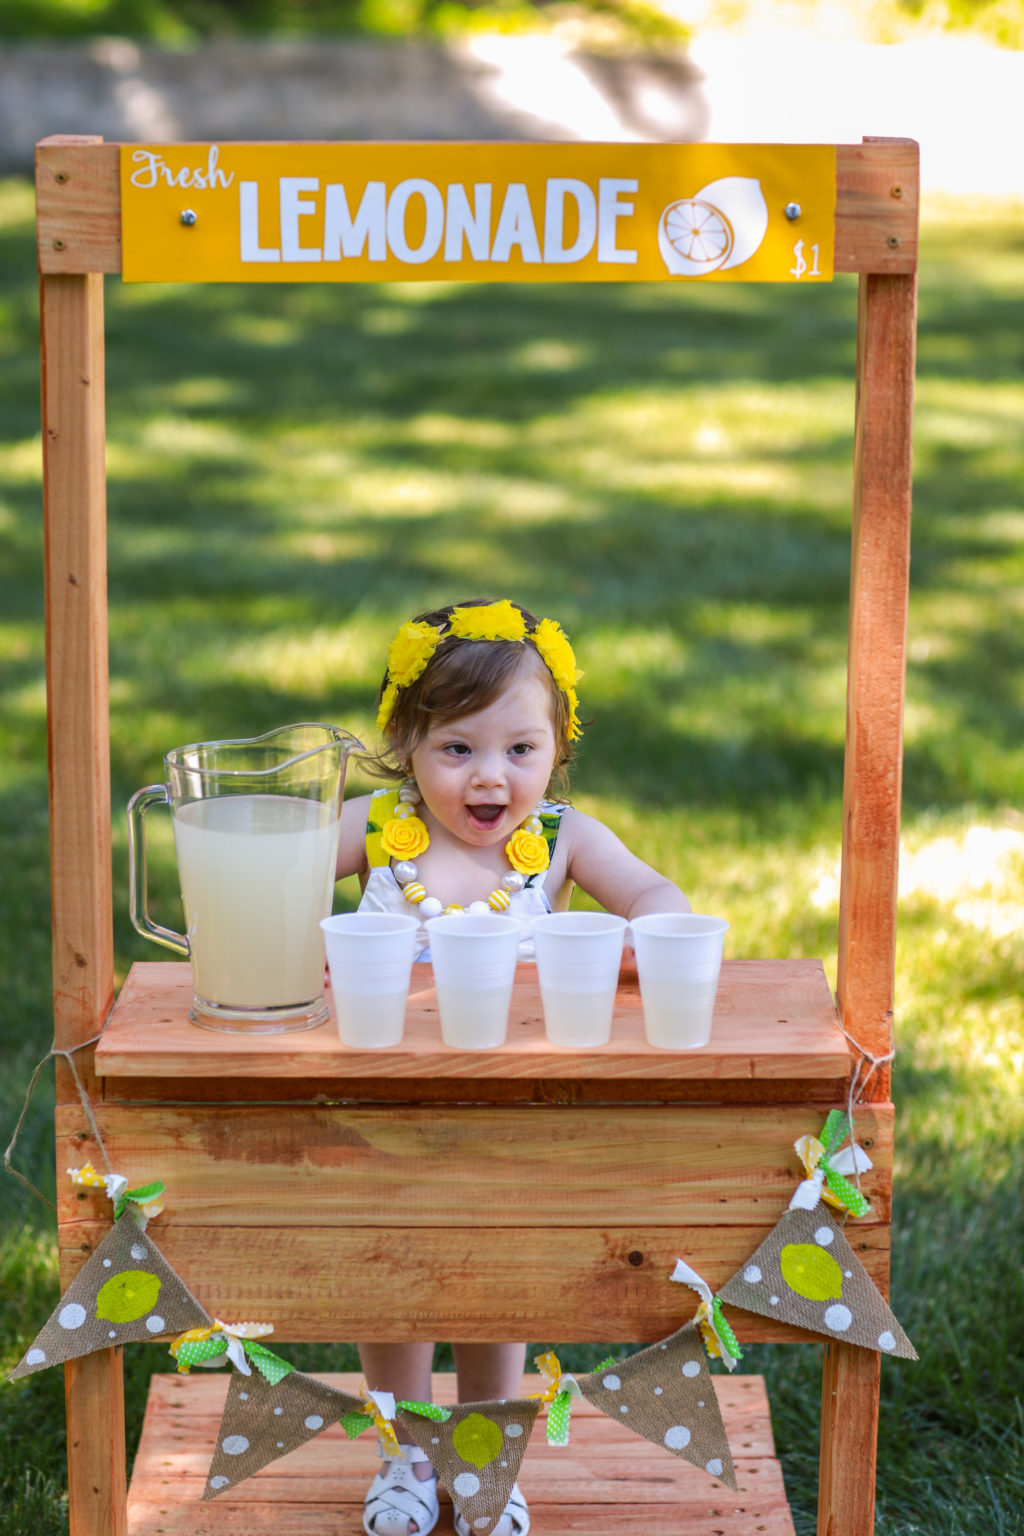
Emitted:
pixel 482 774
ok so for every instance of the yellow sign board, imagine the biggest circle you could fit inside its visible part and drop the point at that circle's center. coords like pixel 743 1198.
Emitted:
pixel 207 213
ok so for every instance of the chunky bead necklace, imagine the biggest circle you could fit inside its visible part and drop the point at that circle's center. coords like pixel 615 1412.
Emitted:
pixel 405 835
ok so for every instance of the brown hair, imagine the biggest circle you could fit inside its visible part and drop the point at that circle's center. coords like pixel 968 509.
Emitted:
pixel 461 678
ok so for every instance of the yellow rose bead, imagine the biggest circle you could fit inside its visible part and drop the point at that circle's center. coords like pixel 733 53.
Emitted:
pixel 404 837
pixel 527 852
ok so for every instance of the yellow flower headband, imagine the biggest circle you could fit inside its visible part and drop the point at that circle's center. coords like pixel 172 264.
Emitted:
pixel 413 647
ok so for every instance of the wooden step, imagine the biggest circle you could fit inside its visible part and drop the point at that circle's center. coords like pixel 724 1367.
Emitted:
pixel 607 1482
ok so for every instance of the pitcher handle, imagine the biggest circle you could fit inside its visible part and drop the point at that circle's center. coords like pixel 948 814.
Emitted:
pixel 138 906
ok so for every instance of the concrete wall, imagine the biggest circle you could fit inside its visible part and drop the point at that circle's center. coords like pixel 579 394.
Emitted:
pixel 508 88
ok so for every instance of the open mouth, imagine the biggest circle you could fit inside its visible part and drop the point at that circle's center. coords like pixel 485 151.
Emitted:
pixel 485 815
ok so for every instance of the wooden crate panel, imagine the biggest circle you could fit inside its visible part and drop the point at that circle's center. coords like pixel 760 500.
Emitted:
pixel 773 1019
pixel 606 1481
pixel 292 1166
pixel 478 1284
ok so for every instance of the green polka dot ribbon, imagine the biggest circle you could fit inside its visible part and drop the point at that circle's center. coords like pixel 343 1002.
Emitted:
pixel 558 1419
pixel 270 1366
pixel 427 1410
pixel 190 1352
pixel 145 1194
pixel 834 1133
pixel 726 1337
pixel 354 1423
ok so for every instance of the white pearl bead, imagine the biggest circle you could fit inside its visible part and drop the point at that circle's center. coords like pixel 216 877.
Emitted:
pixel 405 870
pixel 514 880
pixel 478 908
pixel 431 907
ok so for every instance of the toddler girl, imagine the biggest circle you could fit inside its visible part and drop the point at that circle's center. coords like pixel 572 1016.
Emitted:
pixel 478 712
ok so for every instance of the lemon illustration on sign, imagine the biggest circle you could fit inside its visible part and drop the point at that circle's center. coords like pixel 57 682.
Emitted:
pixel 700 233
pixel 477 1440
pixel 127 1296
pixel 810 1271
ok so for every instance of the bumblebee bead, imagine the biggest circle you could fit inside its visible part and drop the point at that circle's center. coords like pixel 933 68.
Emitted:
pixel 499 900
pixel 416 892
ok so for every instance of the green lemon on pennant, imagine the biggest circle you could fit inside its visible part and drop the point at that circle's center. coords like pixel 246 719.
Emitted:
pixel 810 1271
pixel 477 1440
pixel 127 1296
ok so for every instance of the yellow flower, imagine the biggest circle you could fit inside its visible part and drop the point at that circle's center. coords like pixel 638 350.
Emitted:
pixel 410 651
pixel 550 640
pixel 404 837
pixel 575 731
pixel 387 705
pixel 527 852
pixel 489 621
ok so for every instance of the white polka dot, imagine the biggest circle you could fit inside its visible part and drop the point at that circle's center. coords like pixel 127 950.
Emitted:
pixel 612 1382
pixel 838 1317
pixel 774 1300
pixel 691 1368
pixel 848 1273
pixel 664 1346
pixel 243 1397
pixel 35 1357
pixel 701 1403
pixel 658 1391
pixel 234 1445
pixel 138 1252
pixel 280 1445
pixel 435 1440
pixel 155 1323
pixel 219 1482
pixel 71 1316
pixel 714 1466
pixel 314 1421
pixel 677 1438
pixel 886 1340
pixel 623 1407
pixel 751 1274
pixel 111 1334
pixel 107 1263
pixel 279 1410
pixel 482 1521
pixel 466 1485
pixel 513 1431
pixel 824 1236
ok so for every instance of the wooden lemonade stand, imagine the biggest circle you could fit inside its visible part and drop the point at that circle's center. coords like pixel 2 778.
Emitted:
pixel 353 1194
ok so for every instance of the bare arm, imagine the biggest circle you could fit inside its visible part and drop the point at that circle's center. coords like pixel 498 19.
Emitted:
pixel 602 865
pixel 352 842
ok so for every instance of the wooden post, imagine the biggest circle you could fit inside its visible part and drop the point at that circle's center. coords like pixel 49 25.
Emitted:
pixel 74 508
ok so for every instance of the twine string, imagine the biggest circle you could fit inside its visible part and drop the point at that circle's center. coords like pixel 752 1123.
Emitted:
pixel 68 1056
pixel 858 1086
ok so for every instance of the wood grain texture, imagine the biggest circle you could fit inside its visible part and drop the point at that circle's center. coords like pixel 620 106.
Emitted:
pixel 851 1380
pixel 463 1167
pixel 879 578
pixel 79 206
pixel 773 1019
pixel 606 1482
pixel 94 1402
pixel 477 1284
pixel 74 506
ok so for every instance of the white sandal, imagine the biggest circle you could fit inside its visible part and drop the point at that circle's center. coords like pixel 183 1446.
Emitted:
pixel 514 1522
pixel 397 1498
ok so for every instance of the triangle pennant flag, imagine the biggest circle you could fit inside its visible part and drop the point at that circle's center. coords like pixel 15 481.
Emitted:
pixel 125 1293
pixel 805 1272
pixel 667 1394
pixel 263 1420
pixel 477 1452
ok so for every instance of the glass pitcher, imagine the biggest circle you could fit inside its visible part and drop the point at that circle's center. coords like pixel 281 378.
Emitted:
pixel 256 824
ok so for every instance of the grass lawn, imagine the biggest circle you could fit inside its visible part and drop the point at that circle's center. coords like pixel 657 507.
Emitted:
pixel 293 470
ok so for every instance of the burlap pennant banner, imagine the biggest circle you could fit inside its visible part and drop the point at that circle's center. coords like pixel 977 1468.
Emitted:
pixel 264 1420
pixel 127 1292
pixel 667 1394
pixel 477 1453
pixel 805 1272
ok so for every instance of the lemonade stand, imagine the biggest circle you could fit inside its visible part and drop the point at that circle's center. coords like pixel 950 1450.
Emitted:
pixel 291 1158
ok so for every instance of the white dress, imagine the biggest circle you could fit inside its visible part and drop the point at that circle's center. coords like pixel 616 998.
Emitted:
pixel 382 892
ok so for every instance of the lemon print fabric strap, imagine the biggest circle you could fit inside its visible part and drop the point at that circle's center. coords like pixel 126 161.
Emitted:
pixel 383 805
pixel 413 648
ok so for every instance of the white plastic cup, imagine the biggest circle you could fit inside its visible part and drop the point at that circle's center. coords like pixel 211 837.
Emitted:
pixel 678 958
pixel 578 956
pixel 369 955
pixel 474 962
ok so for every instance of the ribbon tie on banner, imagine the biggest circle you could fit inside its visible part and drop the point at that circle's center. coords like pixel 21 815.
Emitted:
pixel 145 1198
pixel 559 1390
pixel 826 1169
pixel 238 1341
pixel 719 1340
pixel 379 1409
